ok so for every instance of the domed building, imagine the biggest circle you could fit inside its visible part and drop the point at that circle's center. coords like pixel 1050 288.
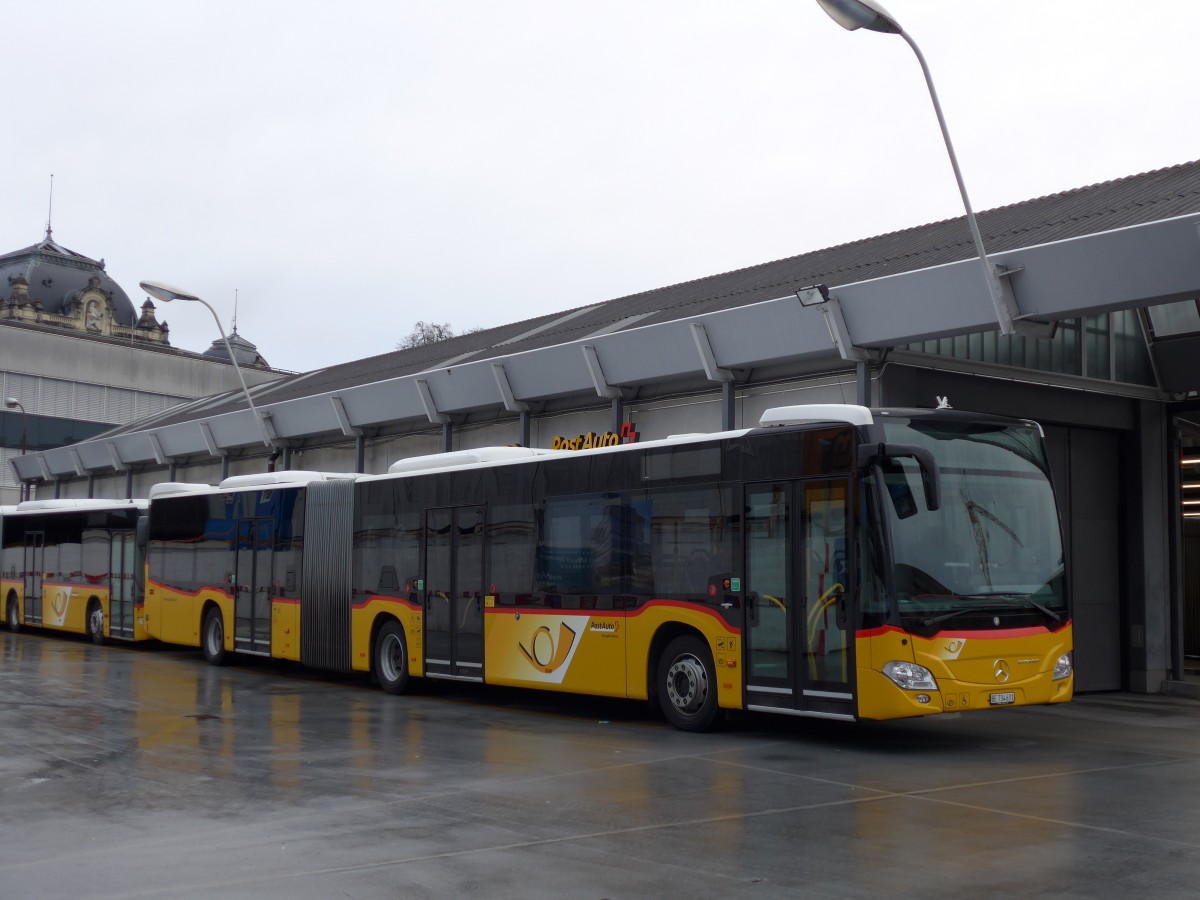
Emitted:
pixel 244 351
pixel 47 284
pixel 77 358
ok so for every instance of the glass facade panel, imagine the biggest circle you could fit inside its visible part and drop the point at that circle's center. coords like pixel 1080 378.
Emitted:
pixel 45 432
pixel 1131 359
pixel 1174 318
pixel 1111 347
pixel 1097 350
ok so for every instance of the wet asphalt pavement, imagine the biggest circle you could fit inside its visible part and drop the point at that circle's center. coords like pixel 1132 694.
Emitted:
pixel 143 772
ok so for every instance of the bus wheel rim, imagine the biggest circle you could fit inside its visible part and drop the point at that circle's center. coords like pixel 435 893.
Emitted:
pixel 391 662
pixel 687 684
pixel 96 620
pixel 216 637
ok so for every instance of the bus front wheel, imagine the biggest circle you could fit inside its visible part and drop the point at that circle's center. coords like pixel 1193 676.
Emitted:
pixel 12 616
pixel 391 659
pixel 687 685
pixel 212 637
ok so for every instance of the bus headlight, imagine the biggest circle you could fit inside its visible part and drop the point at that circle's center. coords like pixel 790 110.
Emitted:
pixel 909 676
pixel 1064 667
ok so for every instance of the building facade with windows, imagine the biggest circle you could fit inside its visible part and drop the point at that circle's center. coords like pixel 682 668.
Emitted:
pixel 1105 280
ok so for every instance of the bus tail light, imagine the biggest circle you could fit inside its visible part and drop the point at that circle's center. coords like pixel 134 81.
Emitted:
pixel 909 676
pixel 1064 667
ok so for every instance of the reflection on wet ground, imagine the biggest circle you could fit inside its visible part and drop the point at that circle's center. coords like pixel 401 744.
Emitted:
pixel 141 771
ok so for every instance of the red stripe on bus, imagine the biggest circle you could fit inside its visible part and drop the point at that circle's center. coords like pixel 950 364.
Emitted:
pixel 964 634
pixel 192 594
pixel 611 613
pixel 415 607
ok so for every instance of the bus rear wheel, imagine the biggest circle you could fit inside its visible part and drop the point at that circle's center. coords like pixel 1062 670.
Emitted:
pixel 12 615
pixel 687 685
pixel 95 623
pixel 212 638
pixel 391 659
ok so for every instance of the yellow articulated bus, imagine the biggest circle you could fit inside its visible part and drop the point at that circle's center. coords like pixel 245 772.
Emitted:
pixel 837 562
pixel 73 566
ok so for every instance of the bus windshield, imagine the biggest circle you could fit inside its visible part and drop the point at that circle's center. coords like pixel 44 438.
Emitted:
pixel 993 548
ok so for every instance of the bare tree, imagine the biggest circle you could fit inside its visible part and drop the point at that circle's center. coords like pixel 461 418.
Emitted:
pixel 426 333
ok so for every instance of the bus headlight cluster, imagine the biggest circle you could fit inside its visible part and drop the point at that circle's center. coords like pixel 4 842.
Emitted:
pixel 1064 667
pixel 909 676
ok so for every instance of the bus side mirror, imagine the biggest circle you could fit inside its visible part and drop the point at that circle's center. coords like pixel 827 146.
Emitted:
pixel 142 535
pixel 931 479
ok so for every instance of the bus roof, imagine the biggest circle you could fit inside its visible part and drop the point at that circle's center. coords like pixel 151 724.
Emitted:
pixel 30 506
pixel 812 413
pixel 468 458
pixel 269 480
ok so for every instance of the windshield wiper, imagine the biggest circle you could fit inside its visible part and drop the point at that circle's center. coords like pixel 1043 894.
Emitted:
pixel 934 620
pixel 1026 599
pixel 1010 596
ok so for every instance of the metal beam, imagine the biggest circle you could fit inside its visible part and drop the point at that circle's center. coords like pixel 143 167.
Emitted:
pixel 603 388
pixel 268 427
pixel 117 464
pixel 708 359
pixel 831 309
pixel 862 372
pixel 511 403
pixel 728 406
pixel 210 442
pixel 1124 268
pixel 156 448
pixel 431 410
pixel 339 410
pixel 76 462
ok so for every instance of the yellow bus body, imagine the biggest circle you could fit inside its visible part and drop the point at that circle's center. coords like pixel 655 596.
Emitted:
pixel 175 617
pixel 608 652
pixel 971 669
pixel 64 607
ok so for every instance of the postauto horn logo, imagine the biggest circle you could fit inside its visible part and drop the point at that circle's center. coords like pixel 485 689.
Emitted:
pixel 545 653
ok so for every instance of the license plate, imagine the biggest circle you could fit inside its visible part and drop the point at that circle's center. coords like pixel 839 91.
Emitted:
pixel 1002 699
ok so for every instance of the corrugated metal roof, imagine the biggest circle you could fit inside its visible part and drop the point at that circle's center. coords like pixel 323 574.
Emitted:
pixel 1137 199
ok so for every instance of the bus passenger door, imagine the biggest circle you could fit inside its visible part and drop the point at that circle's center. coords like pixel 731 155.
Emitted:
pixel 769 599
pixel 798 638
pixel 252 590
pixel 454 592
pixel 35 560
pixel 828 631
pixel 122 584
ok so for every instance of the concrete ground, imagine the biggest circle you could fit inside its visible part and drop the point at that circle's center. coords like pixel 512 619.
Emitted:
pixel 144 772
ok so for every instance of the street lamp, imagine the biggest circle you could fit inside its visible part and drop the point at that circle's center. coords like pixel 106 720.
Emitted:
pixel 160 290
pixel 13 403
pixel 868 14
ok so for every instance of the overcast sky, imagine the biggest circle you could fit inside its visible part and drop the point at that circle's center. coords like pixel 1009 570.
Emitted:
pixel 349 168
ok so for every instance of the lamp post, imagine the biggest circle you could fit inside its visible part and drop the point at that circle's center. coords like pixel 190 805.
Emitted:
pixel 160 290
pixel 13 403
pixel 868 14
